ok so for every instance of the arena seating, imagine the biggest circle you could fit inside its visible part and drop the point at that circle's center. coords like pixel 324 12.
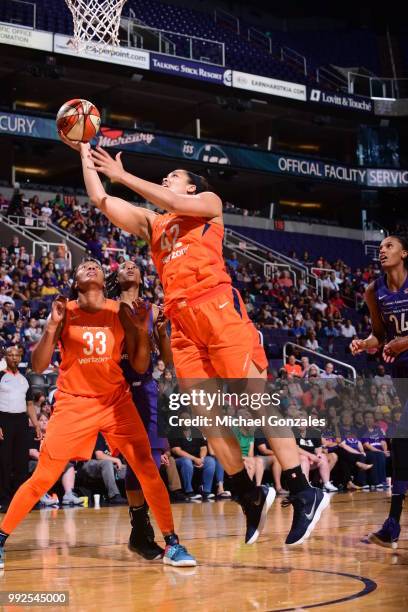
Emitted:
pixel 338 47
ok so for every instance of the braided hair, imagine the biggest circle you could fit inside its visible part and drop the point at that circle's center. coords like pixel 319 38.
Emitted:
pixel 113 287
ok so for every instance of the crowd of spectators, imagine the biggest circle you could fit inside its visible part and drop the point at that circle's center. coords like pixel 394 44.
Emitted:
pixel 313 320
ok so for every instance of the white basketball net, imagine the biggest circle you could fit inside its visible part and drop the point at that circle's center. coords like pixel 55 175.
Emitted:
pixel 96 21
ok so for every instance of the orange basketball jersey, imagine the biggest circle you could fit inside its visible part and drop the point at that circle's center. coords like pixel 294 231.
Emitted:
pixel 91 347
pixel 187 253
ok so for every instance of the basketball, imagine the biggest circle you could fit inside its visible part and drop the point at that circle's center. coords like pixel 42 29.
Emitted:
pixel 78 120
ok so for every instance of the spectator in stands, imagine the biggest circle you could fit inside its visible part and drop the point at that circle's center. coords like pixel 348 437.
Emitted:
pixel 233 262
pixel 4 297
pixel 159 369
pixel 109 469
pixel 33 332
pixel 312 456
pixel 328 371
pixel 246 440
pixel 313 374
pixel 46 211
pixel 48 288
pixel 381 378
pixel 14 247
pixel 337 301
pixel 330 331
pixel 292 367
pixel 33 290
pixel 311 342
pixel 191 453
pixel 305 364
pixel 348 330
pixel 299 329
pixel 285 280
pixel 15 404
pixel 319 305
pixel 39 402
pixel 375 446
pixel 351 454
pixel 68 477
pixel 270 461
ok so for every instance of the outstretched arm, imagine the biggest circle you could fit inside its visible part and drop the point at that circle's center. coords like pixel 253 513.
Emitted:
pixel 205 204
pixel 132 219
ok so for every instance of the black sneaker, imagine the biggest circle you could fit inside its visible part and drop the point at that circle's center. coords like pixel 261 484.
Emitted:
pixel 308 506
pixel 117 500
pixel 141 540
pixel 177 496
pixel 255 506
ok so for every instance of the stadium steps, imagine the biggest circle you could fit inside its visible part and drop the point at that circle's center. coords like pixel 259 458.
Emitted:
pixel 267 260
pixel 50 235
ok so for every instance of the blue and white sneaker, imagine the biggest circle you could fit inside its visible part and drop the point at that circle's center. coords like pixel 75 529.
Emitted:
pixel 388 535
pixel 1 557
pixel 177 555
pixel 308 506
pixel 256 507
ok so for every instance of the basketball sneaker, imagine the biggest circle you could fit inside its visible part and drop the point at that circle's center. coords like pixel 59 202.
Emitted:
pixel 176 555
pixel 256 505
pixel 1 557
pixel 141 540
pixel 308 506
pixel 388 535
pixel 70 499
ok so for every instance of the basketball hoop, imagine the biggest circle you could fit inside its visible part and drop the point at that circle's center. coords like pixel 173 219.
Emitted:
pixel 96 21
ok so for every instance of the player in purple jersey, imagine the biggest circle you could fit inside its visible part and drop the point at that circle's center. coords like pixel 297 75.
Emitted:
pixel 387 300
pixel 126 285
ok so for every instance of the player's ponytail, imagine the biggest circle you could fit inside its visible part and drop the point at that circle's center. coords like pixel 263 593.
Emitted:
pixel 403 240
pixel 199 181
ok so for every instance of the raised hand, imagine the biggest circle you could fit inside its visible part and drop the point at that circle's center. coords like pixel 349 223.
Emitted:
pixel 139 314
pixel 103 162
pixel 58 309
pixel 81 147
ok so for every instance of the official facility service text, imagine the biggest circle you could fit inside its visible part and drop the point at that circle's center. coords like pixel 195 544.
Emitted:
pixel 241 421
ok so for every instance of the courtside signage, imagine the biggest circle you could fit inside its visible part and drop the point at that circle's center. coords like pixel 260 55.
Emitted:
pixel 124 56
pixel 25 37
pixel 190 69
pixel 273 87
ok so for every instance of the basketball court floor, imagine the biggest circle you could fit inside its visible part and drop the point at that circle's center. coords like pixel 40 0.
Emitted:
pixel 84 551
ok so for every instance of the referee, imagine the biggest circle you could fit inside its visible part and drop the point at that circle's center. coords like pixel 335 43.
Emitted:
pixel 15 404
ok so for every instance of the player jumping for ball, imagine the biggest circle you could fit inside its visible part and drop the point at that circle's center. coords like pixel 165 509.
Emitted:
pixel 92 396
pixel 387 300
pixel 212 335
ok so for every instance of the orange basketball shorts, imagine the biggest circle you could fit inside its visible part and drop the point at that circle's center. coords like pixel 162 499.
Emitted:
pixel 76 421
pixel 213 336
